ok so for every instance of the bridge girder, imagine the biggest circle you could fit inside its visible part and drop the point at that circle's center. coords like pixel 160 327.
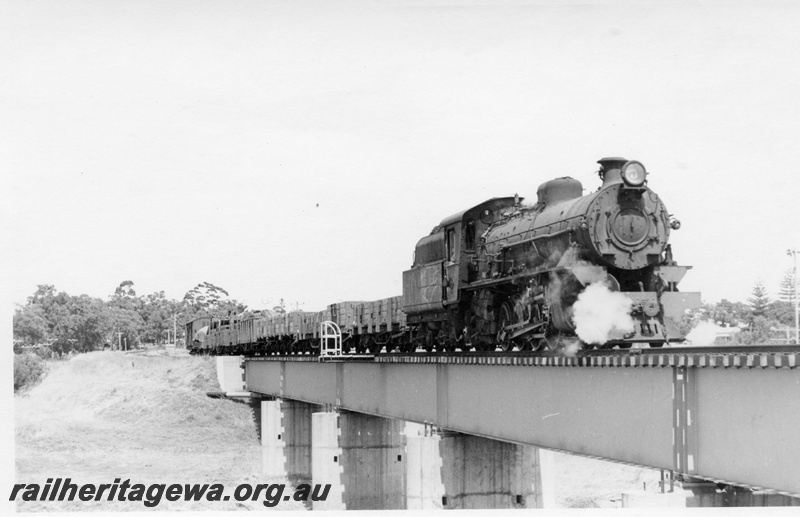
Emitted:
pixel 736 425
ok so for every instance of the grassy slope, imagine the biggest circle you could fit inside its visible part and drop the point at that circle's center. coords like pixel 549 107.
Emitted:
pixel 106 415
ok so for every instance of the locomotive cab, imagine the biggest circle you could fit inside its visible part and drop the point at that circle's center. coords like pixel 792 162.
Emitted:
pixel 446 260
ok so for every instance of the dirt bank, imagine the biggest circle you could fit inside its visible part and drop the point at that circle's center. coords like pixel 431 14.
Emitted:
pixel 107 415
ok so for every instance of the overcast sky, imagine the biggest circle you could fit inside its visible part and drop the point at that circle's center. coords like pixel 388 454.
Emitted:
pixel 298 150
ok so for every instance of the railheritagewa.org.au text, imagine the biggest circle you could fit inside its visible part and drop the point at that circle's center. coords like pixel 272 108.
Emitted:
pixel 63 489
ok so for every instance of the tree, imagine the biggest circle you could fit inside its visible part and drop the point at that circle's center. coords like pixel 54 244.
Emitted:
pixel 280 308
pixel 781 312
pixel 30 324
pixel 88 323
pixel 204 296
pixel 759 301
pixel 787 290
pixel 55 308
pixel 157 312
pixel 44 293
pixel 52 304
pixel 207 299
pixel 729 314
pixel 125 290
pixel 125 296
pixel 123 325
pixel 124 311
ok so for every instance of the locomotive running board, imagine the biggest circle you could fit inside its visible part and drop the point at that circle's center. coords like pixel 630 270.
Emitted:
pixel 489 282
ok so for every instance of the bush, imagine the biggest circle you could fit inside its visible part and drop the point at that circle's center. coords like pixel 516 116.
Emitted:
pixel 759 332
pixel 29 369
pixel 44 352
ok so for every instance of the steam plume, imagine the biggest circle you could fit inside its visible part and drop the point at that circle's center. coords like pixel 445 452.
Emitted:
pixel 571 347
pixel 703 334
pixel 601 315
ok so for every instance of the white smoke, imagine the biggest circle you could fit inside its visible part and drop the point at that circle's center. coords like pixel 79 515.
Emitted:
pixel 601 315
pixel 571 347
pixel 704 333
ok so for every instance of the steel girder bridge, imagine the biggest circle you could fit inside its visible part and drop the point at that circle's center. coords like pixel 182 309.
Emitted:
pixel 731 418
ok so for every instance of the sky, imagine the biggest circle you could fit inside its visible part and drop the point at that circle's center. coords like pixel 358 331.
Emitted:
pixel 298 150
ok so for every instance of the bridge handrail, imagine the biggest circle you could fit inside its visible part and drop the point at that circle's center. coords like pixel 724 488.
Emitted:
pixel 330 339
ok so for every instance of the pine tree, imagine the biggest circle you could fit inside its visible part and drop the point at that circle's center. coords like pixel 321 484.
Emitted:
pixel 787 288
pixel 760 301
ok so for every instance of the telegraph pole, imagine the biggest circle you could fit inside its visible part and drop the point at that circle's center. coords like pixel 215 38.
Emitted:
pixel 175 329
pixel 119 339
pixel 796 307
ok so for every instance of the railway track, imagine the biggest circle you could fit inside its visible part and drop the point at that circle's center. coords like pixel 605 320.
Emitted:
pixel 698 357
pixel 737 349
pixel 615 352
pixel 774 356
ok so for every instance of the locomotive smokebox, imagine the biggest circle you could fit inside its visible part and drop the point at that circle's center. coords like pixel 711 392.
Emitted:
pixel 611 170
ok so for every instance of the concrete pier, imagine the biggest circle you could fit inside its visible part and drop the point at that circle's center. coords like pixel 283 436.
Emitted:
pixel 362 457
pixel 424 486
pixel 286 439
pixel 456 471
pixel 326 459
pixel 273 459
pixel 482 473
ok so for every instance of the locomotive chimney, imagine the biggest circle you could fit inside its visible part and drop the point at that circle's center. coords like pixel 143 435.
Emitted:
pixel 610 170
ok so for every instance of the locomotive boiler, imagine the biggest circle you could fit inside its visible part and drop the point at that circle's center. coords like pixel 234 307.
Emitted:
pixel 509 274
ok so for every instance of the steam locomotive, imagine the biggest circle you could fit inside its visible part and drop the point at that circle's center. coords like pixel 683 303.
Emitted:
pixel 505 275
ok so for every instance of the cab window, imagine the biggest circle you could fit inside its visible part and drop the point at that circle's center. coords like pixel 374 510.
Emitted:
pixel 451 245
pixel 469 238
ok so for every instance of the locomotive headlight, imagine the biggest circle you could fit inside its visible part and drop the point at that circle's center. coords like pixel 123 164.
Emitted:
pixel 634 173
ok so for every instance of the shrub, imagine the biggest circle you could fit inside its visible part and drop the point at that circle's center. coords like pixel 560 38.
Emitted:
pixel 44 352
pixel 29 369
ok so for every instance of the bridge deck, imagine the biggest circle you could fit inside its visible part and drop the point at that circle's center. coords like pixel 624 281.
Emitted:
pixel 734 419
